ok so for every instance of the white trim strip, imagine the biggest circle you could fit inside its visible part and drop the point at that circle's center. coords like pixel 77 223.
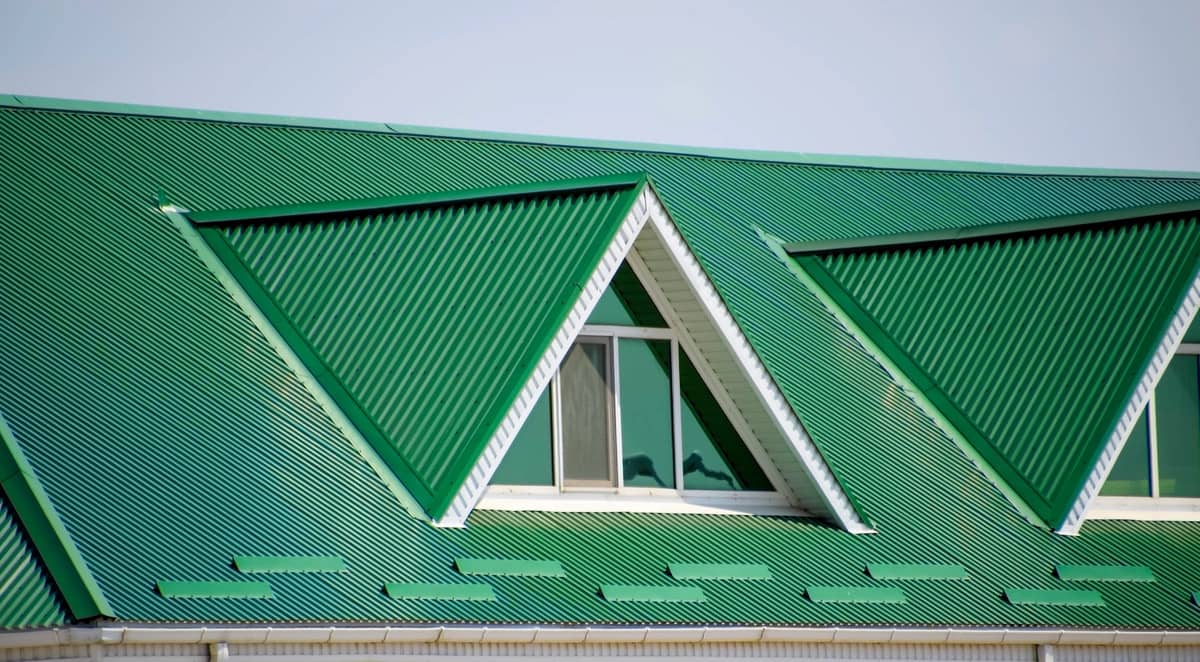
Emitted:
pixel 1170 343
pixel 1167 509
pixel 772 398
pixel 639 500
pixel 123 635
pixel 476 483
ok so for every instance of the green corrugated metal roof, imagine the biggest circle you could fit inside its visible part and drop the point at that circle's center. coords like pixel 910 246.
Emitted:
pixel 27 596
pixel 130 377
pixel 1030 344
pixel 424 322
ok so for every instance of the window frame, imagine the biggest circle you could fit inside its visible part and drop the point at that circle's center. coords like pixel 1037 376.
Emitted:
pixel 623 498
pixel 1154 506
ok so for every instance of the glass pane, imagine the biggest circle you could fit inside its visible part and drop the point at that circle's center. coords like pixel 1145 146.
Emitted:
pixel 586 419
pixel 1177 423
pixel 646 443
pixel 626 303
pixel 528 461
pixel 1193 332
pixel 1130 476
pixel 714 456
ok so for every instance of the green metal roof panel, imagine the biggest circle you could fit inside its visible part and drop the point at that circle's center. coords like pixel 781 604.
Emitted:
pixel 414 365
pixel 1104 573
pixel 436 591
pixel 917 571
pixel 1064 598
pixel 287 563
pixel 214 589
pixel 719 570
pixel 649 593
pixel 91 263
pixel 29 596
pixel 855 594
pixel 512 567
pixel 1022 342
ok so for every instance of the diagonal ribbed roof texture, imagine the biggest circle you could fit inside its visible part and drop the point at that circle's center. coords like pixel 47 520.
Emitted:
pixel 170 436
pixel 1035 340
pixel 430 320
pixel 27 595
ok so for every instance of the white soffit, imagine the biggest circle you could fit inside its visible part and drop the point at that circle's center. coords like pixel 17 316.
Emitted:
pixel 1133 409
pixel 717 346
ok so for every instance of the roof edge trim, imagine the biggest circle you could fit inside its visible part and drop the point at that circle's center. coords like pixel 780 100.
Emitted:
pixel 857 162
pixel 473 485
pixel 223 633
pixel 920 387
pixel 1033 226
pixel 1186 309
pixel 245 300
pixel 47 532
pixel 437 198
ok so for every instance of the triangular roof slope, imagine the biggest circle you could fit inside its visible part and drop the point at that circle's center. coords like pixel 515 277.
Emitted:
pixel 1028 339
pixel 423 317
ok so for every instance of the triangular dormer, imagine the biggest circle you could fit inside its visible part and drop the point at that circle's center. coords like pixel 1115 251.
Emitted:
pixel 431 325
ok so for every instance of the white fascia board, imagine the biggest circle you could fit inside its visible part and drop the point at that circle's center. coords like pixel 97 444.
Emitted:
pixel 1116 442
pixel 476 483
pixel 637 634
pixel 649 212
pixel 753 369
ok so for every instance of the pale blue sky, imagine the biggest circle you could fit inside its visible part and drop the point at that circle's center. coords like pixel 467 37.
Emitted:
pixel 1089 83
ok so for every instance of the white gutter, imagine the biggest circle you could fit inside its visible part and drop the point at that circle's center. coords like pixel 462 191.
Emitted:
pixel 547 634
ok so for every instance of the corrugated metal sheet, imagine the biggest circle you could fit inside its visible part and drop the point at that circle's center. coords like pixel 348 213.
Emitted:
pixel 27 596
pixel 1036 340
pixel 170 436
pixel 431 319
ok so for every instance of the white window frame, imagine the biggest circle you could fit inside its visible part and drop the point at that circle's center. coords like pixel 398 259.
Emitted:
pixel 1153 507
pixel 578 498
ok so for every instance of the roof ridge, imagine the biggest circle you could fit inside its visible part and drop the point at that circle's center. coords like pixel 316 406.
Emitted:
pixel 1045 224
pixel 815 160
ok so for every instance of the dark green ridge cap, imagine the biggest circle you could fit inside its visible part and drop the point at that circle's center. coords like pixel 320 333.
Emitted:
pixel 731 154
pixel 855 594
pixel 46 530
pixel 439 507
pixel 1104 573
pixel 435 591
pixel 1035 226
pixel 719 570
pixel 651 593
pixel 284 563
pixel 576 185
pixel 214 589
pixel 1065 598
pixel 917 571
pixel 1019 492
pixel 321 373
pixel 510 567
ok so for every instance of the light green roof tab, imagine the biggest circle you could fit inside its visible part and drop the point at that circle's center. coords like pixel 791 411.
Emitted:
pixel 645 593
pixel 214 589
pixel 303 564
pixel 917 571
pixel 513 567
pixel 859 594
pixel 719 570
pixel 1104 573
pixel 1065 598
pixel 436 591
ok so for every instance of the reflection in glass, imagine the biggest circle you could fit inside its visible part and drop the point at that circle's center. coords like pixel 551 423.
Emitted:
pixel 585 387
pixel 1177 428
pixel 646 440
pixel 714 456
pixel 528 461
pixel 1130 475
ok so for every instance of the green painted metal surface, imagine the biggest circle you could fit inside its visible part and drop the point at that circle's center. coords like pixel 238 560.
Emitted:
pixel 285 563
pixel 1104 573
pixel 1031 345
pixel 510 567
pixel 90 264
pixel 434 591
pixel 913 571
pixel 404 315
pixel 214 589
pixel 29 598
pixel 719 570
pixel 856 594
pixel 646 593
pixel 1061 598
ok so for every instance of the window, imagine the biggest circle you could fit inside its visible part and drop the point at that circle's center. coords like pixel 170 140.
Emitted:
pixel 628 414
pixel 1162 456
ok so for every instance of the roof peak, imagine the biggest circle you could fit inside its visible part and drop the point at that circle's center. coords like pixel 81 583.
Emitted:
pixel 765 156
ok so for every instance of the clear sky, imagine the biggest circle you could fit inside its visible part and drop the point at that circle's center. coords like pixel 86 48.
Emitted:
pixel 1088 83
